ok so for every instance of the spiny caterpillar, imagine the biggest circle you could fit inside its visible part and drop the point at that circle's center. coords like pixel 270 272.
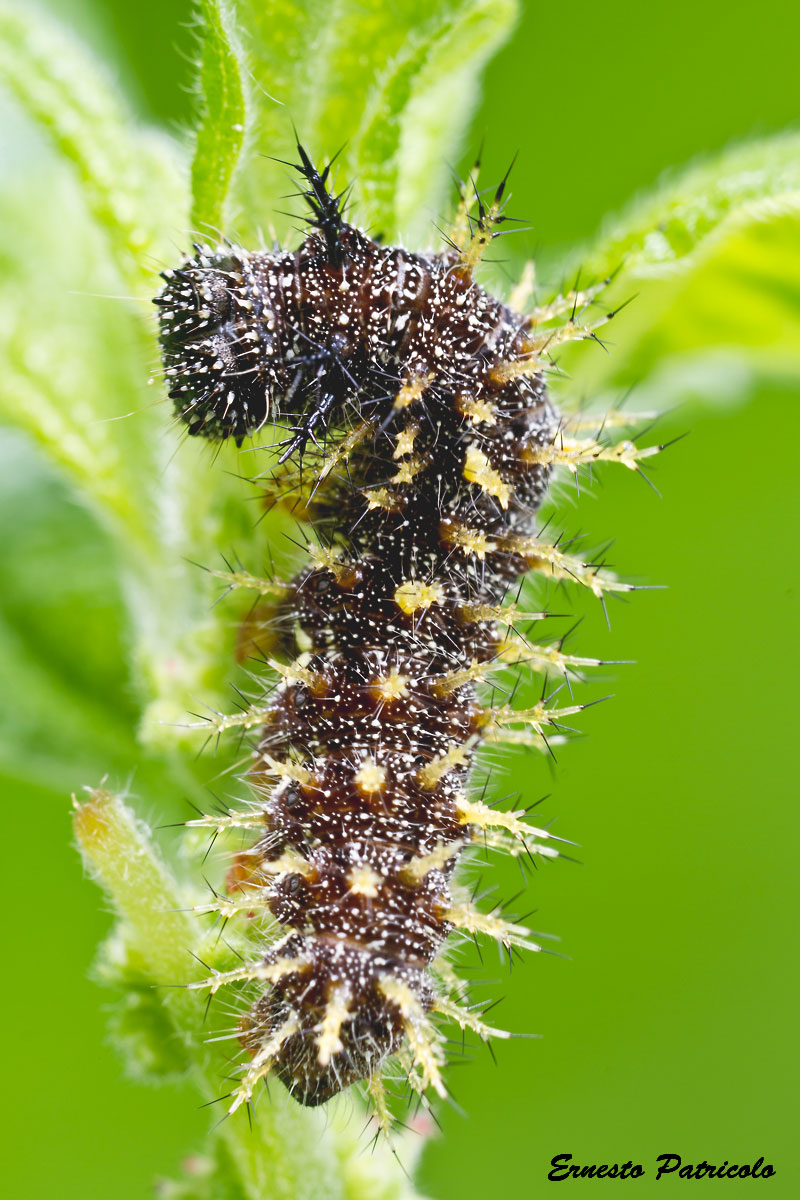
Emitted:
pixel 420 405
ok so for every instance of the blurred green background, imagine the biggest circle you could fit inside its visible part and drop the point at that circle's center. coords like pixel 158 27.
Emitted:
pixel 670 1026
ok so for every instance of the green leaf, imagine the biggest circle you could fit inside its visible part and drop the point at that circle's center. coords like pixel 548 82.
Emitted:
pixel 62 632
pixel 139 1023
pixel 77 358
pixel 661 232
pixel 714 263
pixel 72 709
pixel 121 166
pixel 432 86
pixel 221 129
pixel 391 87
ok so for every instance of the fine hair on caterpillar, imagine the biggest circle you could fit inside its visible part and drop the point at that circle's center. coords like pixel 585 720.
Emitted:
pixel 422 440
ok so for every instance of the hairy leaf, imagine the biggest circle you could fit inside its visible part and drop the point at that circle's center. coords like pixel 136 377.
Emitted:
pixel 131 177
pixel 220 132
pixel 391 88
pixel 77 357
pixel 713 260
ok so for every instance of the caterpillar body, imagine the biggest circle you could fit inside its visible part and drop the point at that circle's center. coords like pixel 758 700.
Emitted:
pixel 419 402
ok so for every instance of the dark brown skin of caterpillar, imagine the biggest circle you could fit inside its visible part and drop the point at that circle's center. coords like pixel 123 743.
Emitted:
pixel 344 336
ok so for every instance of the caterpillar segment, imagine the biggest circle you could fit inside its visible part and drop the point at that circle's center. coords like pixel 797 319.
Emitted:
pixel 418 408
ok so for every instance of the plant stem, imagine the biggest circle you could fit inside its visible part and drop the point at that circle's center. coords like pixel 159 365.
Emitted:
pixel 289 1153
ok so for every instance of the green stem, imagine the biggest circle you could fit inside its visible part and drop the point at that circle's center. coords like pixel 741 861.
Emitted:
pixel 290 1152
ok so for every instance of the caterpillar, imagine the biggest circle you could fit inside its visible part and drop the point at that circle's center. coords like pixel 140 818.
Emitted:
pixel 421 442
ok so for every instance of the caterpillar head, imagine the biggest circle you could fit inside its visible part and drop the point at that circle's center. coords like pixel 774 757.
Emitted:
pixel 214 348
